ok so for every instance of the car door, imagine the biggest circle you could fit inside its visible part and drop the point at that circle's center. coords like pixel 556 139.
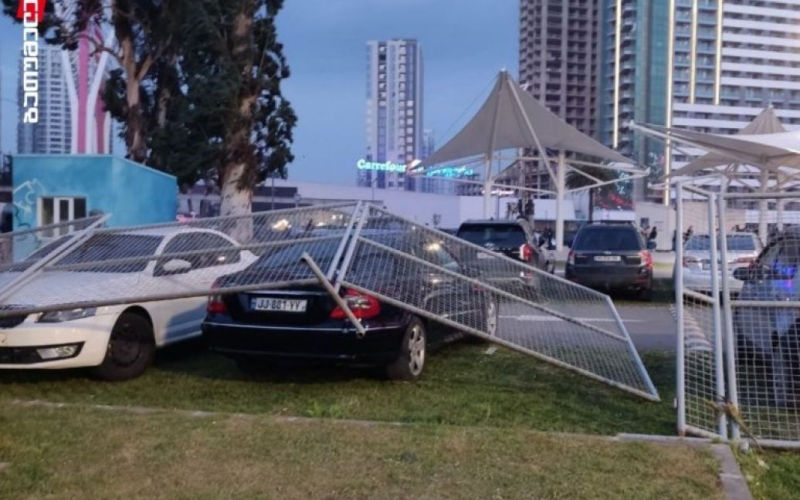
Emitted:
pixel 181 318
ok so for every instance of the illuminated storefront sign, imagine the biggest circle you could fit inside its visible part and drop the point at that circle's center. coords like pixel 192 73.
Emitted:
pixel 446 172
pixel 450 172
pixel 380 167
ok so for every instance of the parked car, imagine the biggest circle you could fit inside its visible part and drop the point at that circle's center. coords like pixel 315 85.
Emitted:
pixel 768 338
pixel 117 342
pixel 743 248
pixel 513 238
pixel 304 324
pixel 612 256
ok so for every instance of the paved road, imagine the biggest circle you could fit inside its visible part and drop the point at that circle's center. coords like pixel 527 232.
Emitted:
pixel 651 326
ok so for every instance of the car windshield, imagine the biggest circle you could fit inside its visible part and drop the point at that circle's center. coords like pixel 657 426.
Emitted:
pixel 500 235
pixel 736 243
pixel 608 239
pixel 365 259
pixel 105 247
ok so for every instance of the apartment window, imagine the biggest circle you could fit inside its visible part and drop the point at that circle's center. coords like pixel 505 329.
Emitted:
pixel 53 210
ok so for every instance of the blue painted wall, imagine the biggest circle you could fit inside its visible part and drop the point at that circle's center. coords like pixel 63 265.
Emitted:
pixel 133 193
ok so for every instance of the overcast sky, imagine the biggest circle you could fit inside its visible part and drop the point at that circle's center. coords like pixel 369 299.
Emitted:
pixel 464 43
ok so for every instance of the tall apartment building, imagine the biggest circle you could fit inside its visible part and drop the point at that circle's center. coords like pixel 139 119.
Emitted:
pixel 730 63
pixel 394 110
pixel 634 58
pixel 52 134
pixel 558 65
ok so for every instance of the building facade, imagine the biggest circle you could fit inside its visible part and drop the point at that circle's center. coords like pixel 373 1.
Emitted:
pixel 632 86
pixel 558 63
pixel 394 110
pixel 52 134
pixel 729 64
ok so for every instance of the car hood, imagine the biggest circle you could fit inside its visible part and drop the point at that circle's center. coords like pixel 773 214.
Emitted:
pixel 58 287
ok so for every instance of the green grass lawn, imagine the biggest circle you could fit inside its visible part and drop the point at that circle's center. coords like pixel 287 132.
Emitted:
pixel 772 475
pixel 462 386
pixel 91 453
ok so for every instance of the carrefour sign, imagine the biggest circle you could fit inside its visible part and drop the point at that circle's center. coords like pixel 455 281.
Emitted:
pixel 380 167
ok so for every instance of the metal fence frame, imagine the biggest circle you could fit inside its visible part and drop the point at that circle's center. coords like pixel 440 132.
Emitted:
pixel 723 332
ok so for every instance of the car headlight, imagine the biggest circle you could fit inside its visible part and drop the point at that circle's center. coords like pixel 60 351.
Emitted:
pixel 71 315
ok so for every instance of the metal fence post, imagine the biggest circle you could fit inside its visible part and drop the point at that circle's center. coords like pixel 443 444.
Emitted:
pixel 719 371
pixel 680 367
pixel 727 313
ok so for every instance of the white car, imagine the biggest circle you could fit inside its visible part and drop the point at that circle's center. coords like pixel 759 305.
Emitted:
pixel 118 341
pixel 743 248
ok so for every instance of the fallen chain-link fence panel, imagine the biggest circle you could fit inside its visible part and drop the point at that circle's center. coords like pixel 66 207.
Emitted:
pixel 22 250
pixel 128 265
pixel 475 290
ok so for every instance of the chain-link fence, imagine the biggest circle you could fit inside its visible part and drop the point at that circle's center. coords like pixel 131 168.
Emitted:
pixel 697 278
pixel 495 297
pixel 363 248
pixel 744 377
pixel 126 265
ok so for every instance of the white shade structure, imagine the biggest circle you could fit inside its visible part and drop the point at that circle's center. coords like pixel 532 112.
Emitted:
pixel 763 145
pixel 512 118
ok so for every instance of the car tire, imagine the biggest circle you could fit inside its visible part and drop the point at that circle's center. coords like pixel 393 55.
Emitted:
pixel 410 364
pixel 487 322
pixel 131 348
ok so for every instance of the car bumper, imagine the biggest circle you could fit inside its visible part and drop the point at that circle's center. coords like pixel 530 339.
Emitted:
pixel 623 279
pixel 20 346
pixel 701 282
pixel 381 344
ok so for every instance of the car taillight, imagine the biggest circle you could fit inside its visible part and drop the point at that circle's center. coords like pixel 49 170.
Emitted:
pixel 525 252
pixel 647 258
pixel 215 303
pixel 571 258
pixel 362 305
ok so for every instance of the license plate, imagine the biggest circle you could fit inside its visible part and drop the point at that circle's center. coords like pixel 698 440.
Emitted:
pixel 607 258
pixel 279 305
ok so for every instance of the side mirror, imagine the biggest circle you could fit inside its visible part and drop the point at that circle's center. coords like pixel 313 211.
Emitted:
pixel 176 266
pixel 651 245
pixel 742 274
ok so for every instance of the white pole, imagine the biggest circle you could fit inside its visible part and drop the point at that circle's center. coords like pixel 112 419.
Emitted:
pixel 487 189
pixel 762 208
pixel 560 188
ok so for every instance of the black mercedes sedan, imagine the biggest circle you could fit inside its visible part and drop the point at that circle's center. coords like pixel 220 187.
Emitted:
pixel 304 325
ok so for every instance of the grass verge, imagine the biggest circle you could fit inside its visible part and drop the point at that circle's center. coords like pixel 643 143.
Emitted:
pixel 462 386
pixel 89 453
pixel 772 475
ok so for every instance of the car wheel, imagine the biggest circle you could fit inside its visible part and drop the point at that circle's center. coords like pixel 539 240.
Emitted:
pixel 409 364
pixel 130 351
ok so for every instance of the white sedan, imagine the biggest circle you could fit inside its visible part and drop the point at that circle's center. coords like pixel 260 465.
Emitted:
pixel 743 248
pixel 118 341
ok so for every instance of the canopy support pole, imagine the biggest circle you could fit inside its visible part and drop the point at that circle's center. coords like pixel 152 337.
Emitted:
pixel 762 209
pixel 560 188
pixel 487 189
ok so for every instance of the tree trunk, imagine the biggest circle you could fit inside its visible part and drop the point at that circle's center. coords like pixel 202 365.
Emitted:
pixel 134 124
pixel 237 202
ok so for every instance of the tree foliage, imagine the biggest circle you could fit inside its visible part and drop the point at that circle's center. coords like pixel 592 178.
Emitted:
pixel 197 83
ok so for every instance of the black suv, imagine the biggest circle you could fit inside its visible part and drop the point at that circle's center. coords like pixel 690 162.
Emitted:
pixel 513 238
pixel 611 256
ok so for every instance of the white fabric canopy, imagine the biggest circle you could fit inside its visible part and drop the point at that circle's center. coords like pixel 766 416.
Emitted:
pixel 767 122
pixel 508 120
